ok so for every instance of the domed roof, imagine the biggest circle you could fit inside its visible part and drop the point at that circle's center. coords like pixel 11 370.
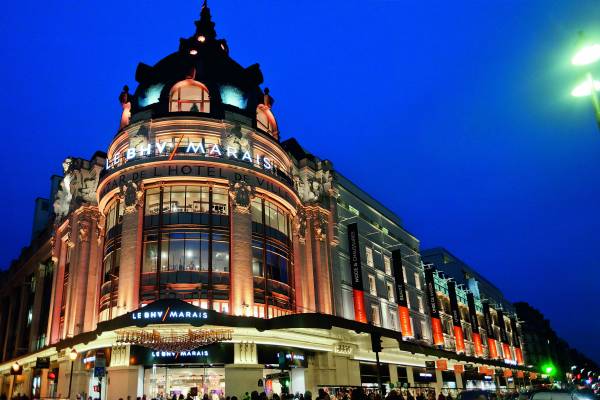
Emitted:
pixel 204 59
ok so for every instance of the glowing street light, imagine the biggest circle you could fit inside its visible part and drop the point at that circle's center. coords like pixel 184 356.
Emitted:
pixel 587 55
pixel 72 357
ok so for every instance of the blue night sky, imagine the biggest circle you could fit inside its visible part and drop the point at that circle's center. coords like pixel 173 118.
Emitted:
pixel 456 115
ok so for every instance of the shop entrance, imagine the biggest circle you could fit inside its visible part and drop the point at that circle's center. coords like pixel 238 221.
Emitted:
pixel 167 381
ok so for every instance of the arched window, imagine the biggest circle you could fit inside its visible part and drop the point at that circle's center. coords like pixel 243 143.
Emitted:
pixel 265 120
pixel 189 95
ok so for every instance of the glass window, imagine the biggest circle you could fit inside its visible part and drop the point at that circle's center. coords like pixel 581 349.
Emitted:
pixel 220 203
pixel 369 254
pixel 424 329
pixel 417 280
pixel 257 210
pixel 375 318
pixel 387 264
pixel 390 291
pixel 152 201
pixel 372 285
pixel 190 95
pixel 220 256
pixel 421 306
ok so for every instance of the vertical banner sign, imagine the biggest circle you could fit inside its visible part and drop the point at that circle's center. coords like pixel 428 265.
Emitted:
pixel 474 325
pixel 403 313
pixel 504 336
pixel 434 308
pixel 459 337
pixel 356 271
pixel 489 327
pixel 516 341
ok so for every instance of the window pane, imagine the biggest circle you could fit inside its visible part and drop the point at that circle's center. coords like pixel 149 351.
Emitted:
pixel 192 251
pixel 220 259
pixel 150 255
pixel 177 202
pixel 152 201
pixel 176 253
pixel 257 210
pixel 220 201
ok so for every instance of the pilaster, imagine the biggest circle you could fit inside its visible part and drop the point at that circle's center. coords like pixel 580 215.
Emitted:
pixel 241 275
pixel 129 267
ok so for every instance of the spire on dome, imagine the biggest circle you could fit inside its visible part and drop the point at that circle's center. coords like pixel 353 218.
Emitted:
pixel 204 26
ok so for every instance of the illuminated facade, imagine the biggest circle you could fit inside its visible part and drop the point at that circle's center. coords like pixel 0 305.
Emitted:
pixel 198 216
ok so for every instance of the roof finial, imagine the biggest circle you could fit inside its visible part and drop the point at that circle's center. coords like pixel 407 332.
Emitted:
pixel 204 26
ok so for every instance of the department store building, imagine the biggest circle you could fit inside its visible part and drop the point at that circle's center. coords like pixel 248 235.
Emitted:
pixel 202 254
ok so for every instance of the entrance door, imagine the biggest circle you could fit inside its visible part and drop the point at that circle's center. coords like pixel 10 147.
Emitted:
pixel 196 380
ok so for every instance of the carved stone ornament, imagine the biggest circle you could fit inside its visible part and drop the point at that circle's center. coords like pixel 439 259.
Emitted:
pixel 237 142
pixel 320 225
pixel 84 231
pixel 241 194
pixel 300 225
pixel 77 187
pixel 312 186
pixel 133 196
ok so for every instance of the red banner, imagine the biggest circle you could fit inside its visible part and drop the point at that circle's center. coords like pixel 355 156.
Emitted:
pixel 492 351
pixel 459 368
pixel 477 344
pixel 442 365
pixel 404 318
pixel 506 351
pixel 519 356
pixel 507 373
pixel 438 333
pixel 359 306
pixel 459 339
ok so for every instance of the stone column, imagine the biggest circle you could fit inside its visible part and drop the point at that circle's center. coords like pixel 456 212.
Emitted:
pixel 410 376
pixel 240 264
pixel 321 262
pixel 303 276
pixel 129 268
pixel 81 271
pixel 459 380
pixel 243 375
pixel 393 373
pixel 94 272
pixel 439 380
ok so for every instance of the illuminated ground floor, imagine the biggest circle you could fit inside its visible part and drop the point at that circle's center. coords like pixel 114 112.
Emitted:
pixel 291 353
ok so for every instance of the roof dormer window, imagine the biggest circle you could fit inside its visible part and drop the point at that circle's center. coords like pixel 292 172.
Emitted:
pixel 189 96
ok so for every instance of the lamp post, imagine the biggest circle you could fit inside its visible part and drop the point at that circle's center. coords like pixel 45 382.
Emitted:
pixel 72 357
pixel 15 371
pixel 587 55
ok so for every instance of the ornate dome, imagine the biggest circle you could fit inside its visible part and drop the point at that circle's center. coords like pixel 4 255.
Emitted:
pixel 202 79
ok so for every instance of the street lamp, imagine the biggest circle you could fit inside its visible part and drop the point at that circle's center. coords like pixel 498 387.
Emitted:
pixel 587 55
pixel 72 357
pixel 15 371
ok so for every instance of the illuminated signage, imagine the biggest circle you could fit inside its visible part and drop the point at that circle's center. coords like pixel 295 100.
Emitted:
pixel 199 148
pixel 191 353
pixel 425 375
pixel 292 356
pixel 168 314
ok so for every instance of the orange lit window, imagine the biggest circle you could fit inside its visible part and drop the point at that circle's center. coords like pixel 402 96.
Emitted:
pixel 189 95
pixel 265 120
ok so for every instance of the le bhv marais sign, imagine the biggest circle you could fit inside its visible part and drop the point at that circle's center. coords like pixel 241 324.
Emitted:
pixel 213 150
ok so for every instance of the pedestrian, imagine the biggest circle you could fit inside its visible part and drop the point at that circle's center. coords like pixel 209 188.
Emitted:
pixel 441 396
pixel 308 395
pixel 246 396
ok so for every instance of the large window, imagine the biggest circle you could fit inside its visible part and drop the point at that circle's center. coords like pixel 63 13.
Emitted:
pixel 189 95
pixel 186 245
pixel 271 259
pixel 110 263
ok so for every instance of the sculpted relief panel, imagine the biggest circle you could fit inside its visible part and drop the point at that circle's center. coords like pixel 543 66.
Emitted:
pixel 77 187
